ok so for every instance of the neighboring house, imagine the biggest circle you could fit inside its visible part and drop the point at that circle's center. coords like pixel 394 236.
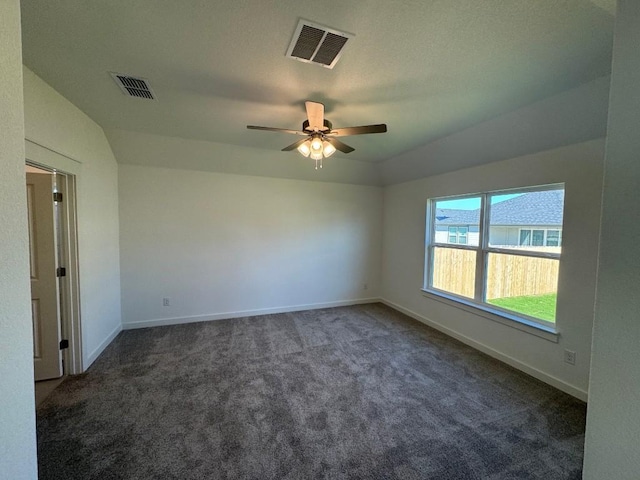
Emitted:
pixel 457 226
pixel 531 219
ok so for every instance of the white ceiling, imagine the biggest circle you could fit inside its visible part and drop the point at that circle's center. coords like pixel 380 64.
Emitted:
pixel 426 68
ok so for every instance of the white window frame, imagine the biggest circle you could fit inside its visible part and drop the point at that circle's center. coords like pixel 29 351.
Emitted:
pixel 482 250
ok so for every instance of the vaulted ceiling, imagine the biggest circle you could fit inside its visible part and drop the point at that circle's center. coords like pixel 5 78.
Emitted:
pixel 425 68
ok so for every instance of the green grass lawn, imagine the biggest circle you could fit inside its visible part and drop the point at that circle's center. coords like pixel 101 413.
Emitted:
pixel 537 306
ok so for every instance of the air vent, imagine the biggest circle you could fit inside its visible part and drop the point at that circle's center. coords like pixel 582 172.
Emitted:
pixel 314 43
pixel 133 87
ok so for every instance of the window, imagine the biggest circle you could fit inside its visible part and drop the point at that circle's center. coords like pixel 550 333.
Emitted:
pixel 539 237
pixel 553 238
pixel 499 251
pixel 458 235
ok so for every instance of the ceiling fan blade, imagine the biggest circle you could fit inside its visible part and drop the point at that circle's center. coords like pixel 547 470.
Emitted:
pixel 346 131
pixel 273 129
pixel 295 145
pixel 343 147
pixel 315 114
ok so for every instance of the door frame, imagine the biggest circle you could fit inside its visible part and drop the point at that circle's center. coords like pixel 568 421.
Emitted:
pixel 67 176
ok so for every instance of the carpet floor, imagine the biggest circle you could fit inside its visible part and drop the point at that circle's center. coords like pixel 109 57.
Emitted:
pixel 360 392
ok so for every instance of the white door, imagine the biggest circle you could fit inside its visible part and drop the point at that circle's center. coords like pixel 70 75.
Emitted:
pixel 45 311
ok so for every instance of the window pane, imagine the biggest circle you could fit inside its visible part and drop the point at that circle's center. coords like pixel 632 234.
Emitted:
pixel 453 217
pixel 537 239
pixel 523 284
pixel 454 271
pixel 553 238
pixel 519 220
pixel 453 235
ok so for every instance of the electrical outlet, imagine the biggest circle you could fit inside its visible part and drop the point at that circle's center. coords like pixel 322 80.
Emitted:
pixel 166 302
pixel 365 286
pixel 570 357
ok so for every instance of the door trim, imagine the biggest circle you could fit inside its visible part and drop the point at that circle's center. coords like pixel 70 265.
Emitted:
pixel 66 183
pixel 70 284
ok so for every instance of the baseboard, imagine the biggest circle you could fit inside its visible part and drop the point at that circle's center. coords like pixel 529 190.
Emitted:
pixel 534 372
pixel 159 322
pixel 100 348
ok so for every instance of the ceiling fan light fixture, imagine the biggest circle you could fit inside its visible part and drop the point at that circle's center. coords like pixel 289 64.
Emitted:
pixel 328 149
pixel 316 144
pixel 316 155
pixel 305 148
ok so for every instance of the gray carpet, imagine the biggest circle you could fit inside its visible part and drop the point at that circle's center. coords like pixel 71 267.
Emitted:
pixel 359 392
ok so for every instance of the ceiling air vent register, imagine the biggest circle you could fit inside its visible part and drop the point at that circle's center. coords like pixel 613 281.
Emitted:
pixel 314 43
pixel 133 87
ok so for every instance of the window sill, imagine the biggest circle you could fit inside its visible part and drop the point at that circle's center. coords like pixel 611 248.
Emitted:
pixel 546 332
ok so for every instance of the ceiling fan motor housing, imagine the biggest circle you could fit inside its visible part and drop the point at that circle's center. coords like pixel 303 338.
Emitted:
pixel 327 126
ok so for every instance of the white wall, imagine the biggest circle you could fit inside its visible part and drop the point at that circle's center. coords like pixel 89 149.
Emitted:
pixel 17 405
pixel 221 245
pixel 53 122
pixel 580 167
pixel 573 116
pixel 613 421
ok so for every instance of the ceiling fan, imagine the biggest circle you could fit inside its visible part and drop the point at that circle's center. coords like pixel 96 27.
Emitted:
pixel 320 137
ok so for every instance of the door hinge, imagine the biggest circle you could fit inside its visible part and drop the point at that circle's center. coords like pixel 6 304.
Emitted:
pixel 64 344
pixel 57 196
pixel 61 272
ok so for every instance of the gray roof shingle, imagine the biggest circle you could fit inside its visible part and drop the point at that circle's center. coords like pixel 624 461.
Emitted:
pixel 451 216
pixel 532 208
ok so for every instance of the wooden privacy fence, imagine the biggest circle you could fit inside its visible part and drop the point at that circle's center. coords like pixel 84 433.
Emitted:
pixel 507 275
